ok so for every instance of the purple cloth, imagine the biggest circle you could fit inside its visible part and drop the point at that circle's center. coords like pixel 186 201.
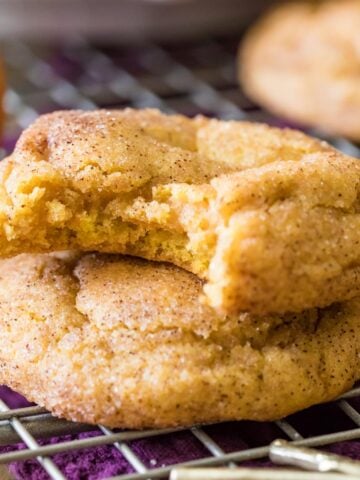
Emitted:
pixel 102 462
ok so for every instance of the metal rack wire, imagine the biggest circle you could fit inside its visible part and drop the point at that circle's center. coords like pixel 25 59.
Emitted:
pixel 190 78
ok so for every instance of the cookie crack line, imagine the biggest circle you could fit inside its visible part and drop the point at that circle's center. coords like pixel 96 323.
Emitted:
pixel 268 218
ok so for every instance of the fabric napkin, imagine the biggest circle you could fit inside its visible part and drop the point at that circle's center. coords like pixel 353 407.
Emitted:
pixel 103 462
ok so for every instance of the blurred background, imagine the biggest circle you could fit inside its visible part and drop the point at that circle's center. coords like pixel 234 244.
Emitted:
pixel 176 55
pixel 125 20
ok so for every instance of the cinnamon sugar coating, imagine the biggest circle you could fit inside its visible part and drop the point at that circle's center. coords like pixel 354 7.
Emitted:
pixel 125 342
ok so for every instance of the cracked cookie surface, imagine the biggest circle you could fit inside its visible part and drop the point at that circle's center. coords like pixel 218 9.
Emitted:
pixel 125 342
pixel 302 61
pixel 268 218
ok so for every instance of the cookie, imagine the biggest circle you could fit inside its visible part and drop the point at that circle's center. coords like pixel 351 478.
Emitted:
pixel 302 62
pixel 269 218
pixel 126 343
pixel 2 93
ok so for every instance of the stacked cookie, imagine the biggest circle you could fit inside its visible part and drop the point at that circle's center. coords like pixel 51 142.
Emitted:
pixel 255 313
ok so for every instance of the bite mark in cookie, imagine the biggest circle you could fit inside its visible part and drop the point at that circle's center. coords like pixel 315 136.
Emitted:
pixel 268 218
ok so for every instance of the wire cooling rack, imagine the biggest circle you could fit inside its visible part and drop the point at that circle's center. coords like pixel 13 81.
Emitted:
pixel 190 78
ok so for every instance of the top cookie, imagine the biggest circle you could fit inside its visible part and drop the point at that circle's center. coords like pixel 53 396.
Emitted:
pixel 268 217
pixel 302 61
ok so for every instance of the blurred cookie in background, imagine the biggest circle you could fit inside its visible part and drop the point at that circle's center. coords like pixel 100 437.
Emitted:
pixel 302 61
pixel 2 93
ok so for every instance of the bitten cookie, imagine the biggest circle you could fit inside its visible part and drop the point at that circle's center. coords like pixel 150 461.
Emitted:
pixel 302 61
pixel 125 342
pixel 269 218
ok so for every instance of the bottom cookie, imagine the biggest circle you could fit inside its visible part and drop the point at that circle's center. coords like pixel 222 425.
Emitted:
pixel 126 343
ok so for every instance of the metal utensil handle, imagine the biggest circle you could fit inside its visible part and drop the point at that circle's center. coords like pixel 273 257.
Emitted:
pixel 253 474
pixel 285 453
